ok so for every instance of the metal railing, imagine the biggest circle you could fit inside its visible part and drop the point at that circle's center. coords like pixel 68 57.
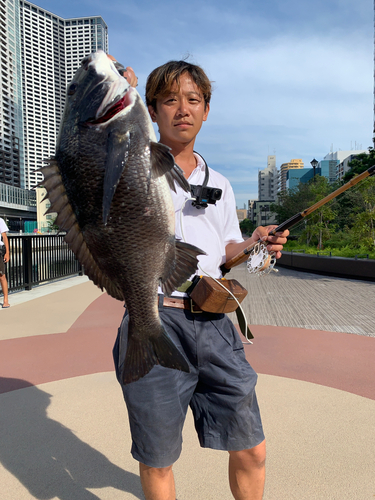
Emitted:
pixel 36 259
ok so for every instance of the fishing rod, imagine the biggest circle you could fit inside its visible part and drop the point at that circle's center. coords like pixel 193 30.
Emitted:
pixel 260 260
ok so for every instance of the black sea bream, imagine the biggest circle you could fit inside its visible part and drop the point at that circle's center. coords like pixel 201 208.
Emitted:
pixel 110 185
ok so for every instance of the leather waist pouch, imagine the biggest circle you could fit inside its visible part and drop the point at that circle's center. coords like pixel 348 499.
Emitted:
pixel 210 296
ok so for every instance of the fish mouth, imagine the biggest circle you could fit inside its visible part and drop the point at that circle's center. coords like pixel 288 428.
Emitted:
pixel 114 108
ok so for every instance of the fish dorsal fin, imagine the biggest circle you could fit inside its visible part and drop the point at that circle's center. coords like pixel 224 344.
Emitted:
pixel 186 264
pixel 162 163
pixel 67 221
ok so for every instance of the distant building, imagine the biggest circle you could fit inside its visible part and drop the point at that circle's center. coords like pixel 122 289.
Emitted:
pixel 40 53
pixel 295 164
pixel 336 171
pixel 260 212
pixel 241 214
pixel 251 210
pixel 52 48
pixel 298 175
pixel 11 112
pixel 42 206
pixel 328 169
pixel 341 155
pixel 16 206
pixel 268 180
pixel 343 166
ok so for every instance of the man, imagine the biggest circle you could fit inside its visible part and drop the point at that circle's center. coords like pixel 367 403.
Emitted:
pixel 220 387
pixel 4 257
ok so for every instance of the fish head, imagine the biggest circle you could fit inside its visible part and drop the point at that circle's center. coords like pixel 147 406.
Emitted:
pixel 96 89
pixel 97 97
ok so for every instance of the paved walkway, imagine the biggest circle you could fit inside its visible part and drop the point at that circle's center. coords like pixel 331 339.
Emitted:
pixel 64 425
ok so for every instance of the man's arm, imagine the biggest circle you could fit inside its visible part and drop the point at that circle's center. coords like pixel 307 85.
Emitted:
pixel 275 243
pixel 6 243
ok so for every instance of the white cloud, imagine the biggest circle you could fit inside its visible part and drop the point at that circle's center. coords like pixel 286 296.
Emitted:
pixel 296 96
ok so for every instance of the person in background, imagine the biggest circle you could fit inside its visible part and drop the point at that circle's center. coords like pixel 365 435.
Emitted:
pixel 4 257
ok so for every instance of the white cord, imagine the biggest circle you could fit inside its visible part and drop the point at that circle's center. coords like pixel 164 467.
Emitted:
pixel 207 274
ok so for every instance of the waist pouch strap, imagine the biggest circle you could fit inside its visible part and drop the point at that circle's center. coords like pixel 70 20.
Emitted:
pixel 242 324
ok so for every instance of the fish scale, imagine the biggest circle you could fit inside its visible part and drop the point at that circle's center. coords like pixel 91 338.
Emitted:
pixel 110 184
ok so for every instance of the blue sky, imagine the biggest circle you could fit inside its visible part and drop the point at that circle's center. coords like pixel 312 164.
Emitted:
pixel 292 78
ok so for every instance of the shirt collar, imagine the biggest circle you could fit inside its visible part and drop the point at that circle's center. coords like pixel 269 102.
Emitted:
pixel 200 162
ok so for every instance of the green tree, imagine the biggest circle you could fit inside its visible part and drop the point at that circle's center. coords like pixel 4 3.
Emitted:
pixel 348 219
pixel 319 225
pixel 347 206
pixel 362 201
pixel 291 202
pixel 360 163
pixel 364 224
pixel 247 227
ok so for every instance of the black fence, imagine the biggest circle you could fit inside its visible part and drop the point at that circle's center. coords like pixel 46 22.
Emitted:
pixel 36 259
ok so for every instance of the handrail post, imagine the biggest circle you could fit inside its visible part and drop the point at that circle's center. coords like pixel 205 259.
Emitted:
pixel 27 262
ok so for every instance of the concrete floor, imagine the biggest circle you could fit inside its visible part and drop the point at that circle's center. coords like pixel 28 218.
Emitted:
pixel 64 425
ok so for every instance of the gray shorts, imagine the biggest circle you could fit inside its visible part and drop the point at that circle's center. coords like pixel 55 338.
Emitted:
pixel 220 390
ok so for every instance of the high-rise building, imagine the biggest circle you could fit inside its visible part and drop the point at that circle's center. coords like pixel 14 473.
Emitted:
pixel 52 48
pixel 297 163
pixel 40 53
pixel 11 130
pixel 83 36
pixel 268 181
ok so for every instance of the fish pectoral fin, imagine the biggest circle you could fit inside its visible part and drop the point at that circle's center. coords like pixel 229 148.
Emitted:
pixel 162 163
pixel 186 264
pixel 144 352
pixel 118 151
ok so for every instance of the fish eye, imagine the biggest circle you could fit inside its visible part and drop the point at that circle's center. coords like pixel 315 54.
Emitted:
pixel 72 89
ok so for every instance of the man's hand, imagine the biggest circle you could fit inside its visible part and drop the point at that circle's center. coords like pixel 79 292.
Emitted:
pixel 127 73
pixel 275 243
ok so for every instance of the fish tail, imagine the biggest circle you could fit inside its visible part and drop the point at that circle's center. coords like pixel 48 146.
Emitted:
pixel 143 354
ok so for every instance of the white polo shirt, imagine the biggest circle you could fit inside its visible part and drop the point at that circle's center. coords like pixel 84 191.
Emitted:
pixel 211 229
pixel 3 229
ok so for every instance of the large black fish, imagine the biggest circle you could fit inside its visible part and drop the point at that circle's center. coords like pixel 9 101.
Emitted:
pixel 110 185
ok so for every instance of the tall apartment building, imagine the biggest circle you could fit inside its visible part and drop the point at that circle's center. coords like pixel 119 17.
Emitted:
pixel 49 52
pixel 11 130
pixel 52 48
pixel 297 163
pixel 268 180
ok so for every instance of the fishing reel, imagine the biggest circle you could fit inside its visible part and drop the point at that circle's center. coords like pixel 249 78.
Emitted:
pixel 260 260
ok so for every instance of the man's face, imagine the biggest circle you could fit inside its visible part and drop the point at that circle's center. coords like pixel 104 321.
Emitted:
pixel 180 114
